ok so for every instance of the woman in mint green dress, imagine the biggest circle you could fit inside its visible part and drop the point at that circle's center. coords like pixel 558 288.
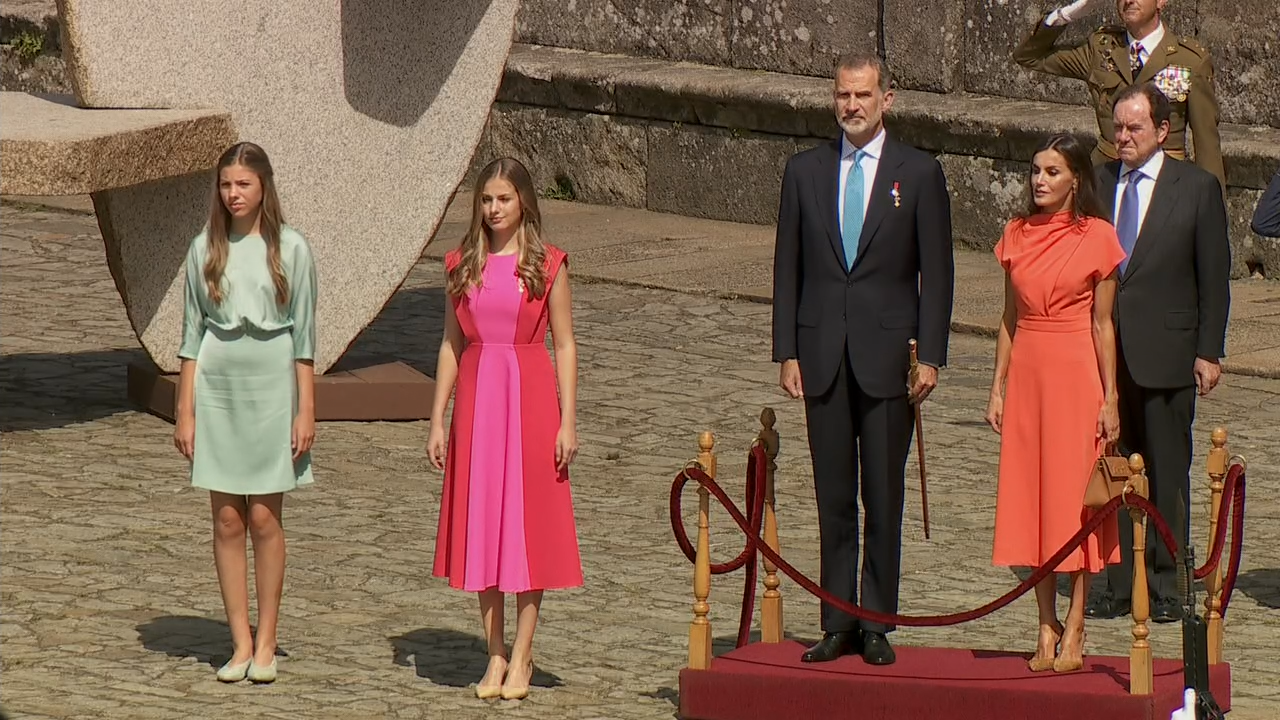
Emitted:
pixel 246 393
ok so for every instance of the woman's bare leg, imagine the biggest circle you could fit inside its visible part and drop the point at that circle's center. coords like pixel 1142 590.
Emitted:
pixel 521 670
pixel 1050 629
pixel 492 617
pixel 268 559
pixel 229 522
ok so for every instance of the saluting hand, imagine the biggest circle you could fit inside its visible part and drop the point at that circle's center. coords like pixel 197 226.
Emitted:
pixel 1075 10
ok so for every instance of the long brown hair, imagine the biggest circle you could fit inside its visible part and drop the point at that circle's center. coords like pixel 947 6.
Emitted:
pixel 474 247
pixel 271 217
pixel 1085 204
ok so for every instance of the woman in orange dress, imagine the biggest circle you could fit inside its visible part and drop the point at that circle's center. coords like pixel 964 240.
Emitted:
pixel 1053 399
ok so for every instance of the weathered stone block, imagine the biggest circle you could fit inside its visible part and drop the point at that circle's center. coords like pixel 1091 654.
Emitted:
pixel 723 175
pixel 993 29
pixel 924 43
pixel 603 157
pixel 767 102
pixel 691 30
pixel 385 99
pixel 1251 154
pixel 801 36
pixel 985 193
pixel 1243 37
pixel 570 79
pixel 51 147
pixel 146 230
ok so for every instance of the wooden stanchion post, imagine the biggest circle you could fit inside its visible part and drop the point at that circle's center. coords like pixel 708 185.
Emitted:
pixel 1141 671
pixel 700 628
pixel 771 608
pixel 1213 583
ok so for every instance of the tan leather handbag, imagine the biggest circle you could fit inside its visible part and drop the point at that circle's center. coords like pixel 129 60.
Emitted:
pixel 1111 477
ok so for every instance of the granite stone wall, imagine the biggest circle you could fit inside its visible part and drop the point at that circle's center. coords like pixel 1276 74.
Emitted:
pixel 943 46
pixel 712 142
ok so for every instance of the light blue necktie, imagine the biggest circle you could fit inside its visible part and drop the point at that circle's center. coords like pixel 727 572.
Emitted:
pixel 851 226
pixel 1127 218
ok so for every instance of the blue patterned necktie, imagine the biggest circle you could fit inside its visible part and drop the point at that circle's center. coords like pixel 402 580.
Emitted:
pixel 851 226
pixel 1127 217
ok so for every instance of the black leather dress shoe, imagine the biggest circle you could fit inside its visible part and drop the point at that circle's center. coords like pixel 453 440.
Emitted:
pixel 1107 607
pixel 1165 611
pixel 876 649
pixel 832 646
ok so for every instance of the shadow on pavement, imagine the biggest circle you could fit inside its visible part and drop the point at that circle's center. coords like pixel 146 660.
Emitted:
pixel 39 391
pixel 452 658
pixel 407 329
pixel 208 641
pixel 1262 584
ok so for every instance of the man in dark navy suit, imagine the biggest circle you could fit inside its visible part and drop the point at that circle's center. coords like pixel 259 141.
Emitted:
pixel 863 263
pixel 1171 308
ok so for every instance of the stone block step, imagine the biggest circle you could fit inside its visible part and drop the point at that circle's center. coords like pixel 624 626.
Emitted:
pixel 712 142
pixel 50 146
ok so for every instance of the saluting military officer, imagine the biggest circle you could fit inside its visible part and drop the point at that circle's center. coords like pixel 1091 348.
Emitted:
pixel 1113 58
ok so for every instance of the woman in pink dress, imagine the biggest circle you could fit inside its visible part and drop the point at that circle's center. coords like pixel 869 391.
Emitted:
pixel 1053 399
pixel 506 516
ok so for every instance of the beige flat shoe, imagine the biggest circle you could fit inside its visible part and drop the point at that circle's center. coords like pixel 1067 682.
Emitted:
pixel 262 674
pixel 233 673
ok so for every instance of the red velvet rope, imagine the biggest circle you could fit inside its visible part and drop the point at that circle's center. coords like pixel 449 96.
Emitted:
pixel 1233 490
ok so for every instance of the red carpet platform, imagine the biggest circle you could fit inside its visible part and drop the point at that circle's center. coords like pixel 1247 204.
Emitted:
pixel 768 681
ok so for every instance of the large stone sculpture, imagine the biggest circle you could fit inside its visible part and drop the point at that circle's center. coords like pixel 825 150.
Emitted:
pixel 370 110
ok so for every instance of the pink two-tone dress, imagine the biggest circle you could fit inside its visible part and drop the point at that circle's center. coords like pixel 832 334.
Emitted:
pixel 506 514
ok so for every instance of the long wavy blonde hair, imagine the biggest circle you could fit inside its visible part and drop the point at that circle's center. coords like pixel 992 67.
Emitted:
pixel 255 159
pixel 474 247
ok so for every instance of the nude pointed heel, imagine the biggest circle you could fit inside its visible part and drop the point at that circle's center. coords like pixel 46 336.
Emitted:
pixel 489 692
pixel 1062 665
pixel 1039 663
pixel 511 692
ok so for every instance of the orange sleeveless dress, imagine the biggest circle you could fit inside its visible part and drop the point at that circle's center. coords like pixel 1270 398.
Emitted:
pixel 1053 392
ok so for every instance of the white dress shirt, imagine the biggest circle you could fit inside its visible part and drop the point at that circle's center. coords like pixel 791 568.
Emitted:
pixel 1148 43
pixel 870 163
pixel 1151 171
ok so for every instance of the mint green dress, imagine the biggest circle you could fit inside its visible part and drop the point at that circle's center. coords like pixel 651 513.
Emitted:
pixel 246 350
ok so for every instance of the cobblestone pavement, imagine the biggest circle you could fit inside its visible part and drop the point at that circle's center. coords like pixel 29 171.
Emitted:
pixel 111 607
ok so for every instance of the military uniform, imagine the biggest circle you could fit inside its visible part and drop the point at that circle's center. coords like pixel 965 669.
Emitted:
pixel 1179 66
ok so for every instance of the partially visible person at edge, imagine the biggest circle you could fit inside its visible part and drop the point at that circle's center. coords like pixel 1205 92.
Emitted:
pixel 506 513
pixel 1143 50
pixel 1053 399
pixel 1266 217
pixel 246 392
pixel 1171 309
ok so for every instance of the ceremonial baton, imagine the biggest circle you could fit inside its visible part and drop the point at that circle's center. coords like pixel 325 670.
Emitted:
pixel 924 486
